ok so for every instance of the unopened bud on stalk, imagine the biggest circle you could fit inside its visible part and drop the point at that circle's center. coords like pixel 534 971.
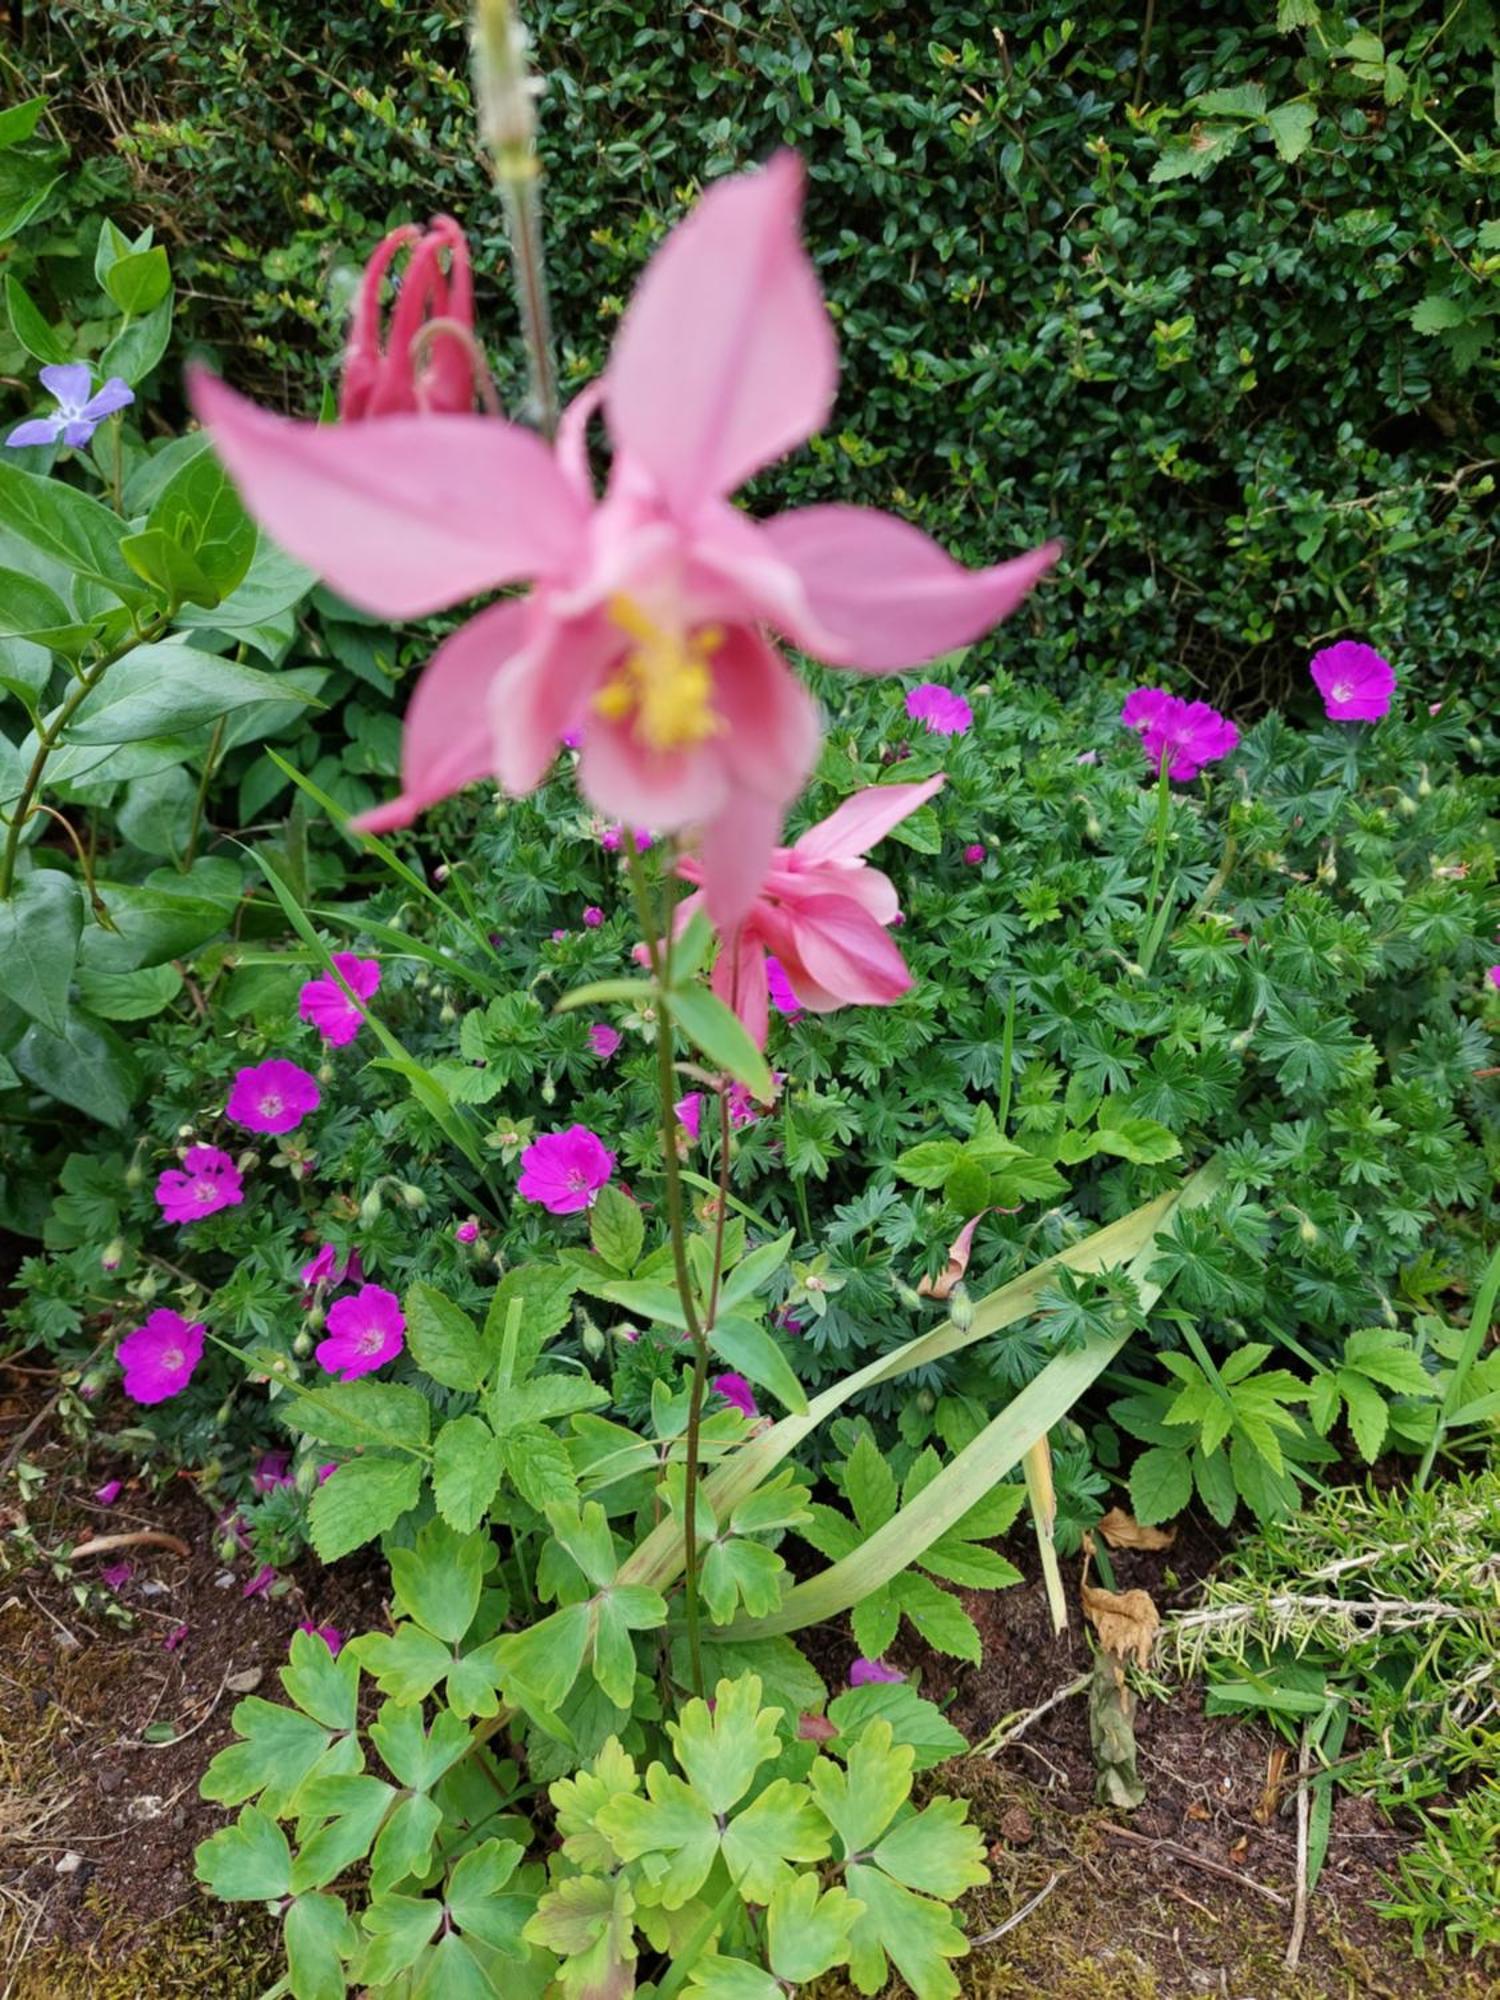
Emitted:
pixel 908 1295
pixel 413 1196
pixel 302 1346
pixel 135 1173
pixel 593 1340
pixel 229 1548
pixel 961 1308
pixel 1309 1231
pixel 1407 807
pixel 370 1208
pixel 926 1402
pixel 145 1286
pixel 224 1412
pixel 306 1479
pixel 448 1014
pixel 549 1091
pixel 184 1131
pixel 110 1255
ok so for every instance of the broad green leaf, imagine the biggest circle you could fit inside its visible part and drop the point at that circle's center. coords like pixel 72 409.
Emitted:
pixel 31 327
pixel 546 1397
pixel 674 1825
pixel 538 1465
pixel 1439 312
pixel 75 537
pixel 1246 100
pixel 322 1686
pixel 355 1414
pixel 473 1680
pixel 40 926
pixel 1142 1140
pixel 360 1501
pixel 1161 1485
pixel 588 1921
pixel 929 1164
pixel 919 1936
pixel 721 1036
pixel 129 996
pixel 87 1066
pixel 545 1292
pixel 780 1824
pixel 136 348
pixel 1384 1355
pixel 404 1845
pixel 466 1467
pixel 27 606
pixel 913 1721
pixel 19 121
pixel 318 1937
pixel 278 1748
pixel 752 1352
pixel 753 1271
pixel 616 1229
pixel 541 1663
pixel 247 1862
pixel 355 1806
pixel 935 1851
pixel 437 1581
pixel 613 1663
pixel 453 1973
pixel 577 1802
pixel 138 283
pixel 164 689
pixel 406 1664
pixel 861 1799
pixel 1369 1419
pixel 397 1929
pixel 443 1339
pixel 876 1619
pixel 417 1757
pixel 788 1678
pixel 736 1571
pixel 869 1484
pixel 808 1928
pixel 477 1901
pixel 1291 126
pixel 720 1978
pixel 721 1749
pixel 937 1615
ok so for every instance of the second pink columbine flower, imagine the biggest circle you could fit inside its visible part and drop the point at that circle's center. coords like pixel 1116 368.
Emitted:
pixel 644 634
pixel 821 915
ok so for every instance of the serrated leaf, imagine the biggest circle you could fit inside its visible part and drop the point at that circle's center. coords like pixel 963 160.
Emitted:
pixel 1369 1418
pixel 466 1467
pixel 539 1467
pixel 360 1501
pixel 869 1485
pixel 443 1339
pixel 937 1615
pixel 354 1414
pixel 914 1721
pixel 1161 1485
pixel 616 1229
pixel 1291 126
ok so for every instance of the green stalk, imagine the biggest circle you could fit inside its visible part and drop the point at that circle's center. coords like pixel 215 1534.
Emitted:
pixel 1479 1325
pixel 1156 921
pixel 1041 1495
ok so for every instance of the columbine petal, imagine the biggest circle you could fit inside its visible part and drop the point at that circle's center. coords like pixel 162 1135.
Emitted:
pixel 856 826
pixel 893 596
pixel 847 952
pixel 446 741
pixel 739 980
pixel 726 357
pixel 736 848
pixel 403 515
pixel 769 739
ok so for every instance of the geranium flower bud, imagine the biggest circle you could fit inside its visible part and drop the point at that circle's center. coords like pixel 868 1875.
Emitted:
pixel 109 1257
pixel 593 1340
pixel 960 1308
pixel 302 1346
pixel 408 372
pixel 224 1412
pixel 228 1549
pixel 413 1196
pixel 370 1208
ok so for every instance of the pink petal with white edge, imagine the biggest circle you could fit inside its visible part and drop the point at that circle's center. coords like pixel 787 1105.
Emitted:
pixel 853 828
pixel 770 735
pixel 735 848
pixel 403 515
pixel 726 357
pixel 847 952
pixel 446 742
pixel 892 595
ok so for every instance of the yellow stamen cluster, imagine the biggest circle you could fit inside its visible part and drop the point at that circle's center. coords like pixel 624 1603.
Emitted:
pixel 664 682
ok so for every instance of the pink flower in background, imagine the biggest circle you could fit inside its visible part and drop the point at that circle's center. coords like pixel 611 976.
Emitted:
pixel 1185 734
pixel 564 1171
pixel 207 1181
pixel 645 628
pixel 874 1673
pixel 467 1232
pixel 272 1470
pixel 612 836
pixel 779 988
pixel 174 1638
pixel 1495 975
pixel 365 1330
pixel 159 1357
pixel 325 1003
pixel 939 710
pixel 604 1040
pixel 736 1390
pixel 109 1492
pixel 382 379
pixel 274 1096
pixel 331 1636
pixel 822 912
pixel 593 916
pixel 974 853
pixel 117 1575
pixel 327 1267
pixel 1356 684
pixel 1087 757
pixel 260 1584
pixel 688 1111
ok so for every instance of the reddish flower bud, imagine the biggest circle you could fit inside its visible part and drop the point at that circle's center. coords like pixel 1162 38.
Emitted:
pixel 383 381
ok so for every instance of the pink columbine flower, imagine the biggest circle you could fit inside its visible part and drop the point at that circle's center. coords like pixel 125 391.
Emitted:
pixel 207 1181
pixel 688 1111
pixel 109 1492
pixel 872 1673
pixel 272 1470
pixel 330 1009
pixel 736 1390
pixel 274 1096
pixel 593 916
pixel 939 710
pixel 646 624
pixel 159 1357
pixel 1356 684
pixel 604 1041
pixel 399 377
pixel 331 1636
pixel 117 1575
pixel 974 853
pixel 1185 735
pixel 822 912
pixel 260 1583
pixel 467 1232
pixel 564 1171
pixel 327 1267
pixel 779 988
pixel 365 1330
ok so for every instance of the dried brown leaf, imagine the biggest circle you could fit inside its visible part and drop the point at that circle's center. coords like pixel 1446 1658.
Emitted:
pixel 1126 1621
pixel 959 1252
pixel 1123 1531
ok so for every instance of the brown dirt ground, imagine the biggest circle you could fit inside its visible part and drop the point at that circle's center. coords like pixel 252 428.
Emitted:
pixel 1168 1911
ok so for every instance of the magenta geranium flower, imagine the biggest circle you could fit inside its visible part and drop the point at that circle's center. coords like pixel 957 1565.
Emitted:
pixel 688 1111
pixel 874 1673
pixel 822 912
pixel 974 853
pixel 273 1469
pixel 1495 975
pixel 365 1330
pixel 1185 734
pixel 779 988
pixel 331 1636
pixel 604 1041
pixel 939 710
pixel 467 1232
pixel 736 1390
pixel 328 1267
pixel 593 916
pixel 260 1583
pixel 206 1181
pixel 274 1096
pixel 564 1171
pixel 159 1357
pixel 1356 684
pixel 325 1003
pixel 645 630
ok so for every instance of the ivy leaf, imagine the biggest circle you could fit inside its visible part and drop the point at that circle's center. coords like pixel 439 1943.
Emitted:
pixel 247 1862
pixel 443 1340
pixel 780 1825
pixel 438 1580
pixel 360 1501
pixel 918 1935
pixel 466 1466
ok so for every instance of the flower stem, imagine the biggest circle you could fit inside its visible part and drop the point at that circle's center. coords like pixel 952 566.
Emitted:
pixel 1158 907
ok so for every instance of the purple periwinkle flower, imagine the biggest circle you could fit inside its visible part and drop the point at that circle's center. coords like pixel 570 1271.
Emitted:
pixel 939 710
pixel 1183 735
pixel 79 414
pixel 871 1673
pixel 207 1181
pixel 159 1357
pixel 737 1391
pixel 1356 684
pixel 604 1041
pixel 564 1171
pixel 365 1330
pixel 274 1096
pixel 325 1003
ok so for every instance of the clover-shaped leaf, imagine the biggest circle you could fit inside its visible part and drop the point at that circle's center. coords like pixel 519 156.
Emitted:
pixel 279 1748
pixel 918 1935
pixel 414 1756
pixel 588 1921
pixel 781 1824
pixel 476 1900
pixel 322 1686
pixel 673 1829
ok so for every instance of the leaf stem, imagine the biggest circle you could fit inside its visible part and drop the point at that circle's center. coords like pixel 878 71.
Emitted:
pixel 1156 904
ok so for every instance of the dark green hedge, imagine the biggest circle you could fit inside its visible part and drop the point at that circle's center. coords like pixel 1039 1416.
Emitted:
pixel 1254 392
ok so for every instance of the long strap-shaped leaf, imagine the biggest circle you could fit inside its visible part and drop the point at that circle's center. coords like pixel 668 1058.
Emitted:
pixel 1131 1240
